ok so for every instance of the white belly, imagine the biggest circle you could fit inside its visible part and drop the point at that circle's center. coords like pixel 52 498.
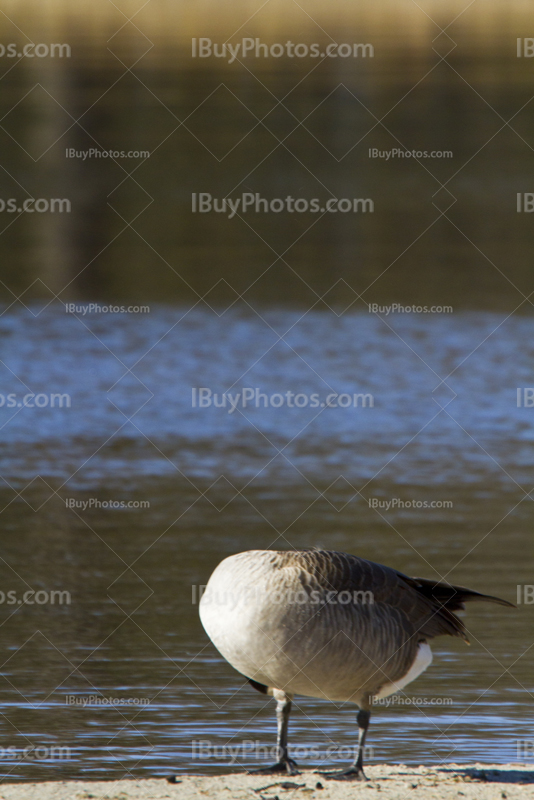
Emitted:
pixel 422 661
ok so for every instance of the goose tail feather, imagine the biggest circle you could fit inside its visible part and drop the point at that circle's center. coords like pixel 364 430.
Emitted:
pixel 453 598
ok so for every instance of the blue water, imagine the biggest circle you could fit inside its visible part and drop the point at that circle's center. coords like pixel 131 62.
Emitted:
pixel 443 426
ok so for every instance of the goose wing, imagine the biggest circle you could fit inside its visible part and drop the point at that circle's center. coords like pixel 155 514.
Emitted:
pixel 420 606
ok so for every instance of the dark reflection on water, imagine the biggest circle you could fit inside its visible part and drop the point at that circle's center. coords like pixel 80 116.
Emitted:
pixel 221 129
pixel 132 631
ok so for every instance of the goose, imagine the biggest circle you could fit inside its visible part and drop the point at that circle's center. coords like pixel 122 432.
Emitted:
pixel 327 624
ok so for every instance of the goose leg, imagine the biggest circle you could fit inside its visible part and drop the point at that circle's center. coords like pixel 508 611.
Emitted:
pixel 355 771
pixel 284 765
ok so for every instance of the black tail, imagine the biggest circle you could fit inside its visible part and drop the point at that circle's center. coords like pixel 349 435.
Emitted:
pixel 453 598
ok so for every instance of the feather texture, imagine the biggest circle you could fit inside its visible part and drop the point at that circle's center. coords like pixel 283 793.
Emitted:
pixel 327 624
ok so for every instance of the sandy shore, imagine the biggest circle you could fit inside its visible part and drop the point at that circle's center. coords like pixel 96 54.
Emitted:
pixel 467 782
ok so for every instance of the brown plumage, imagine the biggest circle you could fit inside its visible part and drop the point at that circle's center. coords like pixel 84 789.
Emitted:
pixel 327 624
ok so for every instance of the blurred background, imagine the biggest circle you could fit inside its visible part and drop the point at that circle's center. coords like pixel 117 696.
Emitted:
pixel 271 301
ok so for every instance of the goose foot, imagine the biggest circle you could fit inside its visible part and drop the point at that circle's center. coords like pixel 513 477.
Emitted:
pixel 284 767
pixel 349 774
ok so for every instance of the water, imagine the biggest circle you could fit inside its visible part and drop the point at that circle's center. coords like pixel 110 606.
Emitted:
pixel 125 495
pixel 219 482
pixel 276 128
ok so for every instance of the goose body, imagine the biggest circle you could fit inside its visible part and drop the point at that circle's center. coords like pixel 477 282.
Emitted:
pixel 326 624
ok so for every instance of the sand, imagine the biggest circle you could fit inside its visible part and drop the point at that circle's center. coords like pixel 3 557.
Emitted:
pixel 397 782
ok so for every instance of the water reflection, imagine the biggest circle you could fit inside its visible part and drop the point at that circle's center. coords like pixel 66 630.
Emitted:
pixel 276 129
pixel 217 483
